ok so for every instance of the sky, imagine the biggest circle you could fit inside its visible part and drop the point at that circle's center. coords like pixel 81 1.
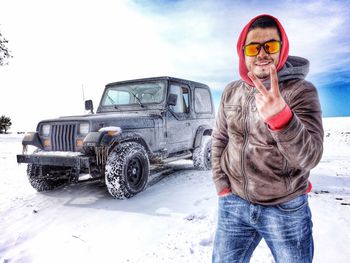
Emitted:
pixel 67 51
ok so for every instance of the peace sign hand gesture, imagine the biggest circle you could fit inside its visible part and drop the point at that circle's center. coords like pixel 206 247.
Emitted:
pixel 268 102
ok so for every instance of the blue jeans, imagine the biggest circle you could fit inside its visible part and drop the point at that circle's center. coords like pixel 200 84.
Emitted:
pixel 286 228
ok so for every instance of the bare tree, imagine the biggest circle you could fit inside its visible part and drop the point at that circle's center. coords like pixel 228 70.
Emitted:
pixel 5 53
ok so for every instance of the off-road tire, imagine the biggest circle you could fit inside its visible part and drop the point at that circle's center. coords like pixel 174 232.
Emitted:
pixel 202 154
pixel 127 170
pixel 42 184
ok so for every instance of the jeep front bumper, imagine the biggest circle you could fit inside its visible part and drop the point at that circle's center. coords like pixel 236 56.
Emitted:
pixel 73 160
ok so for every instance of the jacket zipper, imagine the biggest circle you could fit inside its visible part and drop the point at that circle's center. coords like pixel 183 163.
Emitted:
pixel 245 142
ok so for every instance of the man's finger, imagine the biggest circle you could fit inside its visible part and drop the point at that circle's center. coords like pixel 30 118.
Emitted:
pixel 258 84
pixel 274 81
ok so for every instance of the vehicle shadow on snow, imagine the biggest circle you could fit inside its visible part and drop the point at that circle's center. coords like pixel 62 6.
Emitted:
pixel 168 193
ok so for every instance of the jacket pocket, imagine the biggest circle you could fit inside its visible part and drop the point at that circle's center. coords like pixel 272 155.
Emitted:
pixel 232 108
pixel 233 115
pixel 286 175
pixel 223 155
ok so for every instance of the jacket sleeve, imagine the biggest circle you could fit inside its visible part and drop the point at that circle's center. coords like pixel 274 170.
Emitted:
pixel 219 143
pixel 301 140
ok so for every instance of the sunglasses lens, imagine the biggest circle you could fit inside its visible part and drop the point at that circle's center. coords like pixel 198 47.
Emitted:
pixel 252 50
pixel 272 47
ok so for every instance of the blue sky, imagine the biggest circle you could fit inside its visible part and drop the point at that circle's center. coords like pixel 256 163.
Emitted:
pixel 319 31
pixel 61 48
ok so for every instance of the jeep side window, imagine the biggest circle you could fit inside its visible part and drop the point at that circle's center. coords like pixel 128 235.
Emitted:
pixel 183 98
pixel 202 100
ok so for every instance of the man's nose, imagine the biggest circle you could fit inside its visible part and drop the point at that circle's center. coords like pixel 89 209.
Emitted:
pixel 262 53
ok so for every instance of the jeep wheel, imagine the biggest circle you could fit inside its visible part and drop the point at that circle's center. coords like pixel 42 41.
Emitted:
pixel 36 172
pixel 127 170
pixel 202 154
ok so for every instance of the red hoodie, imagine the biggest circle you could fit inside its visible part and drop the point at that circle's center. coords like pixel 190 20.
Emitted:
pixel 241 41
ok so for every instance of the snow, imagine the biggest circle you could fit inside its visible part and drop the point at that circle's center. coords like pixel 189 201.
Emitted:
pixel 111 128
pixel 173 220
pixel 58 154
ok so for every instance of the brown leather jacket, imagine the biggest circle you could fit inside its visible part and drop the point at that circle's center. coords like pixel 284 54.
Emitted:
pixel 260 165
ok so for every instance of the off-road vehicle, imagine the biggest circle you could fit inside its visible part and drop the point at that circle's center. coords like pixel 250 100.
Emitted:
pixel 138 123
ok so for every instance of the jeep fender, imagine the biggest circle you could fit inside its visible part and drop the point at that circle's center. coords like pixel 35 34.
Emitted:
pixel 107 141
pixel 128 137
pixel 31 138
pixel 201 131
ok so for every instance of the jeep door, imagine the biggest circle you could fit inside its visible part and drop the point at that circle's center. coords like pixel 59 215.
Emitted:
pixel 179 125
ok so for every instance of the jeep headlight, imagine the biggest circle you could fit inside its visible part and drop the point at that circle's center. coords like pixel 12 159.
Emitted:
pixel 84 128
pixel 45 129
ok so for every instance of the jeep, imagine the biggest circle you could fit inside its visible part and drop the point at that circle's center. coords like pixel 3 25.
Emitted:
pixel 138 123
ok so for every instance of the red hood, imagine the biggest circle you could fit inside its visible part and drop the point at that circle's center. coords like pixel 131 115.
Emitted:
pixel 240 43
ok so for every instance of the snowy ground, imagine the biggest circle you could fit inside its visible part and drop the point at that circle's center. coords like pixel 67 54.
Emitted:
pixel 173 220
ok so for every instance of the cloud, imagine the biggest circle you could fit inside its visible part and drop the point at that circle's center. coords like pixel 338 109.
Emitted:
pixel 202 35
pixel 58 47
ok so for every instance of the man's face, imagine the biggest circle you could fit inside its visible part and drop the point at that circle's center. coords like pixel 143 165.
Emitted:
pixel 260 64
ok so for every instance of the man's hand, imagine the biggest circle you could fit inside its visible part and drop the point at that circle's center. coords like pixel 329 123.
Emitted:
pixel 268 102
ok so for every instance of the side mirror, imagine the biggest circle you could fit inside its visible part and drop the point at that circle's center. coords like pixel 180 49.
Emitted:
pixel 172 99
pixel 89 106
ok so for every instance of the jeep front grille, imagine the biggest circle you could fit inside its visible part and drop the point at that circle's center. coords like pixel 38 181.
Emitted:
pixel 62 137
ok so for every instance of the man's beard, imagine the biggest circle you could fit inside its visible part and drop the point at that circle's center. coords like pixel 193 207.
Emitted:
pixel 262 75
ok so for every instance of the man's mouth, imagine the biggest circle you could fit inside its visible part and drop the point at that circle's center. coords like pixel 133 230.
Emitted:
pixel 262 63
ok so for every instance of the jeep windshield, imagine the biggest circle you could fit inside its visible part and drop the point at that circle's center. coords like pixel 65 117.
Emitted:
pixel 134 93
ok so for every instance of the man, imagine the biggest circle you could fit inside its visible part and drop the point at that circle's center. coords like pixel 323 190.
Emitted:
pixel 267 137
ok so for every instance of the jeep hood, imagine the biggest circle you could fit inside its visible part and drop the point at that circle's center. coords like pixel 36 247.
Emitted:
pixel 126 121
